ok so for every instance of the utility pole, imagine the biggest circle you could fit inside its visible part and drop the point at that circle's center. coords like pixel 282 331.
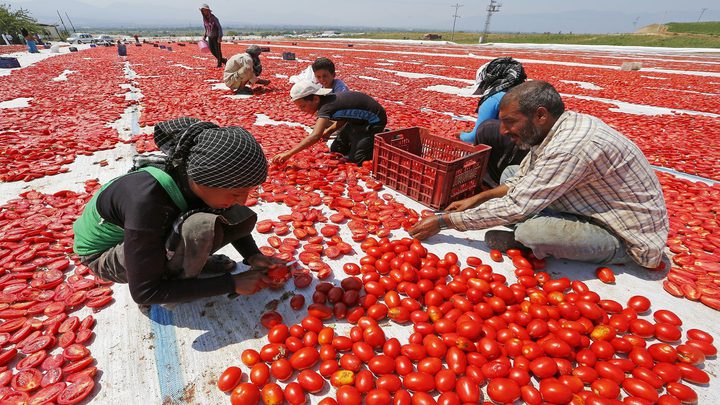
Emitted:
pixel 63 23
pixel 455 17
pixel 701 14
pixel 70 21
pixel 492 8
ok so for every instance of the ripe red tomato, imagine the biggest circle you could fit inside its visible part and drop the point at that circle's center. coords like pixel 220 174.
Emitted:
pixel 419 382
pixel 304 358
pixel 606 388
pixel 272 394
pixel 281 369
pixel 468 391
pixel 311 381
pixel 640 388
pixel 378 397
pixel 554 391
pixel 605 275
pixel 503 390
pixel 260 374
pixel 348 395
pixel 229 379
pixel 639 303
pixel 294 394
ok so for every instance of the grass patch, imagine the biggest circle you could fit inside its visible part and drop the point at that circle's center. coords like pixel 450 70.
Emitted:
pixel 671 40
pixel 707 28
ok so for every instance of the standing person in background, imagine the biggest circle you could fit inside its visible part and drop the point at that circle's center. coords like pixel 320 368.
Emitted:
pixel 137 38
pixel 493 80
pixel 213 33
pixel 324 70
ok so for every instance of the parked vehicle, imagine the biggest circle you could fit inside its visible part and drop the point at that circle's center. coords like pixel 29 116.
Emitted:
pixel 81 38
pixel 100 39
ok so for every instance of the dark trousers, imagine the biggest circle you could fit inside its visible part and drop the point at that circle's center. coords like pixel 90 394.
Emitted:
pixel 216 49
pixel 356 141
pixel 201 234
pixel 504 151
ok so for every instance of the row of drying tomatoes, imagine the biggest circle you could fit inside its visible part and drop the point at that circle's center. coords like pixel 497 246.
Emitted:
pixel 65 118
pixel 44 356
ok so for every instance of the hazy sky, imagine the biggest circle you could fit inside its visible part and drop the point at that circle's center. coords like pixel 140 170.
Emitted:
pixel 515 15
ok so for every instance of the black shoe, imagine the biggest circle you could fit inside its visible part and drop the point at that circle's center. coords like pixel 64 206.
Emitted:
pixel 247 91
pixel 503 240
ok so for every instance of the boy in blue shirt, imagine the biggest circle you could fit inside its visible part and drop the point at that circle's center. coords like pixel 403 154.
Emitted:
pixel 324 70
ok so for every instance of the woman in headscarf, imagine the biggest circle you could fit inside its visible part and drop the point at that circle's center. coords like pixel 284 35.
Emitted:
pixel 493 80
pixel 157 228
pixel 213 33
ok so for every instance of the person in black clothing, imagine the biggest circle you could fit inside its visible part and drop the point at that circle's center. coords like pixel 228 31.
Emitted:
pixel 157 228
pixel 213 34
pixel 504 151
pixel 357 118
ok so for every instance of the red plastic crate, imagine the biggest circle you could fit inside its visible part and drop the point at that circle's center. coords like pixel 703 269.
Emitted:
pixel 432 170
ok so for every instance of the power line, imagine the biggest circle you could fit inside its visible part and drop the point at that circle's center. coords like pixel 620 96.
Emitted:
pixel 455 17
pixel 492 8
pixel 701 13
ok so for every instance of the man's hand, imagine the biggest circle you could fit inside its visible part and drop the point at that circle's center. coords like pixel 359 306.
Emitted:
pixel 264 263
pixel 250 282
pixel 425 228
pixel 281 158
pixel 462 205
pixel 263 82
pixel 275 269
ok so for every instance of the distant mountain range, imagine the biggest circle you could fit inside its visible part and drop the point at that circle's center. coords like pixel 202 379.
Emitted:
pixel 252 15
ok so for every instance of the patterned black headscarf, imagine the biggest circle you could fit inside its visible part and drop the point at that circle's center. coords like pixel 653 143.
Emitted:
pixel 228 157
pixel 498 75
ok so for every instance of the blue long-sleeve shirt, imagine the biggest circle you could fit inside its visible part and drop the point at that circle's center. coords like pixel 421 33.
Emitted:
pixel 488 110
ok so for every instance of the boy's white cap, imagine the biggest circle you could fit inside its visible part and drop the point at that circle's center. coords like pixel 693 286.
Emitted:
pixel 306 88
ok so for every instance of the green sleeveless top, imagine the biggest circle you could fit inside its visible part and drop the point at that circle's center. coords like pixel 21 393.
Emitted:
pixel 95 235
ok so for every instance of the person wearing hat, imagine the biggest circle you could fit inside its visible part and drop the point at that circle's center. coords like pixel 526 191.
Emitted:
pixel 357 118
pixel 493 80
pixel 213 33
pixel 157 228
pixel 242 69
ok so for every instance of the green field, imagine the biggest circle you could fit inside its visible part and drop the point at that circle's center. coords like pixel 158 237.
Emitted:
pixel 707 28
pixel 666 39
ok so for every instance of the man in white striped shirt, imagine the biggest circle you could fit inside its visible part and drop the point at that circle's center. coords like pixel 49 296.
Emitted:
pixel 584 192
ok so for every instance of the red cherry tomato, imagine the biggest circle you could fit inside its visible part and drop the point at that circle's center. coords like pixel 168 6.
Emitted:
pixel 229 379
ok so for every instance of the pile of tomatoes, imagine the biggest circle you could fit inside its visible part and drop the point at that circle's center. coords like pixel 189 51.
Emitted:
pixel 538 339
pixel 44 358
